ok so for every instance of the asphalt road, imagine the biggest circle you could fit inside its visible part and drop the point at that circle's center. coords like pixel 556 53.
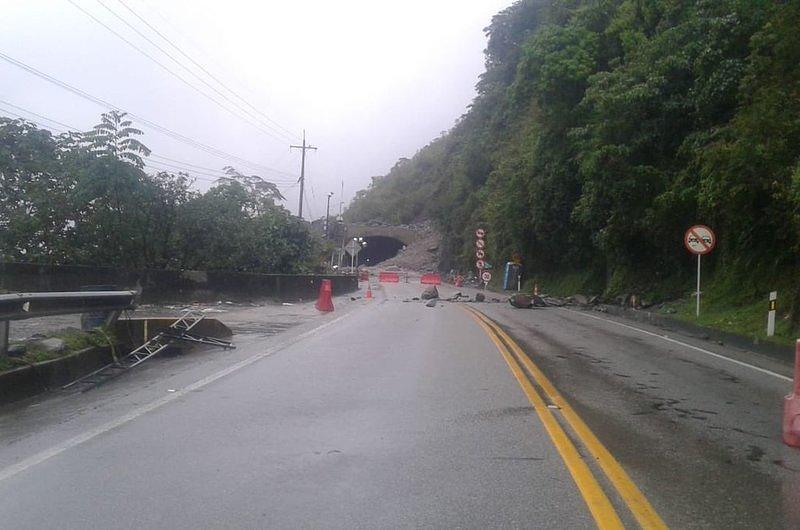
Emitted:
pixel 390 414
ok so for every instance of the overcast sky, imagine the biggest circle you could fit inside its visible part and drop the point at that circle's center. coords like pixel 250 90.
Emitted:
pixel 370 82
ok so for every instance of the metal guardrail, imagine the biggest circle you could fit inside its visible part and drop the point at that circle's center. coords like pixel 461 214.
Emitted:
pixel 21 306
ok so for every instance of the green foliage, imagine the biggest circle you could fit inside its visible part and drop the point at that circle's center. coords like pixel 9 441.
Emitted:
pixel 85 199
pixel 114 137
pixel 74 341
pixel 603 129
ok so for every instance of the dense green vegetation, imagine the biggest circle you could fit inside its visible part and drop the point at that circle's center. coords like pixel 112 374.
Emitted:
pixel 602 129
pixel 85 199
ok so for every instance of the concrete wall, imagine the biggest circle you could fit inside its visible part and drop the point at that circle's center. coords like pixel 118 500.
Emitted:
pixel 170 286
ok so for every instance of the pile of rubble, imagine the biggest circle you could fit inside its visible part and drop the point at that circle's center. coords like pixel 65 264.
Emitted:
pixel 421 255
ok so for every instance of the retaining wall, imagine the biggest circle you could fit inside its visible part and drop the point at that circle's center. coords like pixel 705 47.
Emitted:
pixel 169 285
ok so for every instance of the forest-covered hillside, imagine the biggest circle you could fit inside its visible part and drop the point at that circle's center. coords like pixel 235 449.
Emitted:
pixel 603 129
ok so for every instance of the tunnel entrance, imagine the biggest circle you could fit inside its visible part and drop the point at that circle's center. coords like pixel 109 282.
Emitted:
pixel 379 248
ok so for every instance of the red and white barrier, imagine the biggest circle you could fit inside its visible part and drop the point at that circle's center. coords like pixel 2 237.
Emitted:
pixel 791 406
pixel 390 277
pixel 433 278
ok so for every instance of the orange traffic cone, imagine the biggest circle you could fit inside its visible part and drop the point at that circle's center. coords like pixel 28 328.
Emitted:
pixel 325 300
pixel 369 292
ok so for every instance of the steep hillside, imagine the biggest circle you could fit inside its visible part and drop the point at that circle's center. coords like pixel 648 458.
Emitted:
pixel 602 130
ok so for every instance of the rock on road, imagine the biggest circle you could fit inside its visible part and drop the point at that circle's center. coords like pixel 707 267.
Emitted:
pixel 390 414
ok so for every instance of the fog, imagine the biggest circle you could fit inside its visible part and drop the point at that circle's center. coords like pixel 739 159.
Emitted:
pixel 370 82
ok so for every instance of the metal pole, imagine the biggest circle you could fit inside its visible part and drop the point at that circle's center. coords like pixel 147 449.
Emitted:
pixel 302 176
pixel 328 218
pixel 341 201
pixel 698 286
pixel 4 328
pixel 302 180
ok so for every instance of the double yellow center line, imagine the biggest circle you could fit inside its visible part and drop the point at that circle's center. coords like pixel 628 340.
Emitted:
pixel 596 499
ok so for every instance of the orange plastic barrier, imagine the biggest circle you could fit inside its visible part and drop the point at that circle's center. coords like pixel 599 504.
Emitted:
pixel 433 278
pixel 391 277
pixel 363 276
pixel 325 300
pixel 791 406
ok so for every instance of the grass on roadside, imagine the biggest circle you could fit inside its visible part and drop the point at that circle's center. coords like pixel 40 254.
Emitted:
pixel 749 319
pixel 74 340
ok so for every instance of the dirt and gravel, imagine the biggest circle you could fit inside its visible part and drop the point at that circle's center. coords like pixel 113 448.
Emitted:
pixel 420 256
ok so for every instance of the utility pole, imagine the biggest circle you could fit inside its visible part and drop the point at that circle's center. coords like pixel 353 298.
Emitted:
pixel 302 180
pixel 341 201
pixel 328 217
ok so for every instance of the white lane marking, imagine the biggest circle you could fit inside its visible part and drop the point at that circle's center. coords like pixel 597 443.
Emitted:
pixel 47 454
pixel 696 348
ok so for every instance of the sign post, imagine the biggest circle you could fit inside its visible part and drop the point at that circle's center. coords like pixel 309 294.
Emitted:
pixel 699 240
pixel 480 253
pixel 773 306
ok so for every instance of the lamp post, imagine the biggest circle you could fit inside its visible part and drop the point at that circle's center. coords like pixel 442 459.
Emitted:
pixel 358 244
pixel 328 217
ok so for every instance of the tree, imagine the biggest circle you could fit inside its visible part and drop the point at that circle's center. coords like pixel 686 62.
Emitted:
pixel 262 194
pixel 114 137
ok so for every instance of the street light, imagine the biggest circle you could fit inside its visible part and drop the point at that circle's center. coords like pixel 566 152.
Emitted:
pixel 328 218
pixel 358 244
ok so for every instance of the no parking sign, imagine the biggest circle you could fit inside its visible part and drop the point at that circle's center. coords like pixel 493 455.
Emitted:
pixel 699 240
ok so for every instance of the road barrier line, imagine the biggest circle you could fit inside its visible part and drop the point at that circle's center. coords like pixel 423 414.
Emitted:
pixel 640 507
pixel 687 345
pixel 598 503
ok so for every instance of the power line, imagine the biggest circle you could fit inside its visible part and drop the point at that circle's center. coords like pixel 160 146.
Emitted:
pixel 205 168
pixel 21 117
pixel 170 71
pixel 163 130
pixel 308 206
pixel 273 130
pixel 67 128
pixel 62 125
pixel 201 67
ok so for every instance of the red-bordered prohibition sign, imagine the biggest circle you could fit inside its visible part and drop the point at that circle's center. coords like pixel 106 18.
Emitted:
pixel 699 239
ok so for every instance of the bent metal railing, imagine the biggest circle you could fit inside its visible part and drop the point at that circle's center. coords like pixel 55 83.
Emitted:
pixel 21 306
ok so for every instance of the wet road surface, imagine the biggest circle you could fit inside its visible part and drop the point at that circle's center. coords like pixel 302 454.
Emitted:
pixel 391 414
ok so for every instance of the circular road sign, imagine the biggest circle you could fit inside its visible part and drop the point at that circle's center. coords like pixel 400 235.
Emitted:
pixel 480 264
pixel 486 276
pixel 480 254
pixel 700 239
pixel 480 232
pixel 480 243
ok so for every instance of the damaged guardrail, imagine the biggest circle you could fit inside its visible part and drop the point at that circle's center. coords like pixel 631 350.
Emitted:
pixel 21 306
